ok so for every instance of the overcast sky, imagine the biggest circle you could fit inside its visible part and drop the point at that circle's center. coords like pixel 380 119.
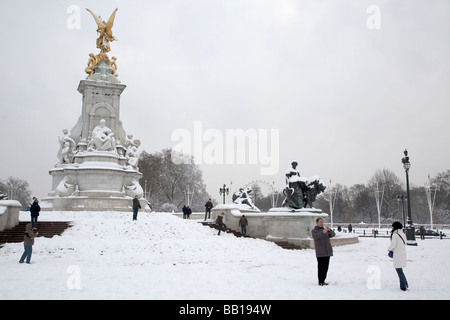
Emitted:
pixel 345 98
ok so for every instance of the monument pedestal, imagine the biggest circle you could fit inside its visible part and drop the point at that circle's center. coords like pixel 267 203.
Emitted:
pixel 95 182
pixel 279 224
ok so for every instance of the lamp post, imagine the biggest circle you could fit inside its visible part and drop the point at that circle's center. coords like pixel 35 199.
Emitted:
pixel 410 236
pixel 224 191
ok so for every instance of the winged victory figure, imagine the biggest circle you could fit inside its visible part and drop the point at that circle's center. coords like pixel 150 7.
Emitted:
pixel 105 31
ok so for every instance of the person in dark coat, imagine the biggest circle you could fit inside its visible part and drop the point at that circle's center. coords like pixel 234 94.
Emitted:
pixel 28 242
pixel 208 207
pixel 243 222
pixel 34 210
pixel 188 212
pixel 324 250
pixel 422 233
pixel 185 212
pixel 219 221
pixel 136 207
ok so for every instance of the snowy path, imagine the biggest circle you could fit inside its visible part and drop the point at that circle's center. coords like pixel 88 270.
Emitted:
pixel 109 256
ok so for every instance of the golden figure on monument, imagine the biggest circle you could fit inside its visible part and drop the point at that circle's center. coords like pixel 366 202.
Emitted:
pixel 105 31
pixel 106 36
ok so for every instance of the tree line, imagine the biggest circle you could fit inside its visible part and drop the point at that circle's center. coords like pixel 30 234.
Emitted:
pixel 358 203
pixel 15 188
pixel 169 183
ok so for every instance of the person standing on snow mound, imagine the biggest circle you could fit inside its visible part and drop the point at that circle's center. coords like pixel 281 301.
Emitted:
pixel 208 207
pixel 34 210
pixel 324 250
pixel 398 247
pixel 136 207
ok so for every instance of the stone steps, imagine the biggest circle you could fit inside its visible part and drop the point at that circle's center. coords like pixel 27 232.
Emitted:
pixel 46 229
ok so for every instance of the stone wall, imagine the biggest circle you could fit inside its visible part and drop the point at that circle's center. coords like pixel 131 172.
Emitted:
pixel 9 214
pixel 279 225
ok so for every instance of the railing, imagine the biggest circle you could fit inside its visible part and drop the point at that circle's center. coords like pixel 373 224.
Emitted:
pixel 383 233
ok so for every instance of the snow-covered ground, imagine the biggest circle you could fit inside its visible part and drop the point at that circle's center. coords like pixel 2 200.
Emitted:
pixel 160 256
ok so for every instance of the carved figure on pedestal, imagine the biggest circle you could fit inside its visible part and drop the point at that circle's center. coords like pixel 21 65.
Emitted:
pixel 315 187
pixel 65 189
pixel 102 138
pixel 134 189
pixel 105 37
pixel 67 148
pixel 104 31
pixel 294 188
pixel 243 197
pixel 132 158
pixel 301 192
pixel 129 142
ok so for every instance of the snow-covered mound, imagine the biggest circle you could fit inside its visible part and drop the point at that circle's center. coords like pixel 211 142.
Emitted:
pixel 106 255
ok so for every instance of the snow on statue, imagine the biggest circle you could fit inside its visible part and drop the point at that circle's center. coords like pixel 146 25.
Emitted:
pixel 301 192
pixel 244 197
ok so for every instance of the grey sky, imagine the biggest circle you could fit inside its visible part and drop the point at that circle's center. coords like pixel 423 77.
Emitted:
pixel 346 100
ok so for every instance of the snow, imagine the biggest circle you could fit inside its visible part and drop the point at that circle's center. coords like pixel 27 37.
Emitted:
pixel 160 256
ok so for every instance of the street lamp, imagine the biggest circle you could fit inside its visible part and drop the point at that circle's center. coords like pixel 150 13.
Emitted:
pixel 410 236
pixel 224 191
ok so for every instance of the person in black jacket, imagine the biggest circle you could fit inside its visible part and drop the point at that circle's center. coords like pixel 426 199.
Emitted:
pixel 185 212
pixel 208 207
pixel 136 207
pixel 34 210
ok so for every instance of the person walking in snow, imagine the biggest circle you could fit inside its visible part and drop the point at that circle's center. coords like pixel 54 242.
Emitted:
pixel 208 207
pixel 136 207
pixel 188 212
pixel 220 223
pixel 34 210
pixel 185 212
pixel 422 233
pixel 398 247
pixel 324 250
pixel 28 242
pixel 243 223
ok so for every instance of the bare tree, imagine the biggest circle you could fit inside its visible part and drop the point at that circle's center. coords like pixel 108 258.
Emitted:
pixel 16 189
pixel 385 178
pixel 168 181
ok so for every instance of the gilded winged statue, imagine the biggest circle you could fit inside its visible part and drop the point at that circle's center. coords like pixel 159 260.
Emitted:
pixel 105 31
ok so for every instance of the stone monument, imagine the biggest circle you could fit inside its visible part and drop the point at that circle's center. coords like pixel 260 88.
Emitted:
pixel 291 223
pixel 97 168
